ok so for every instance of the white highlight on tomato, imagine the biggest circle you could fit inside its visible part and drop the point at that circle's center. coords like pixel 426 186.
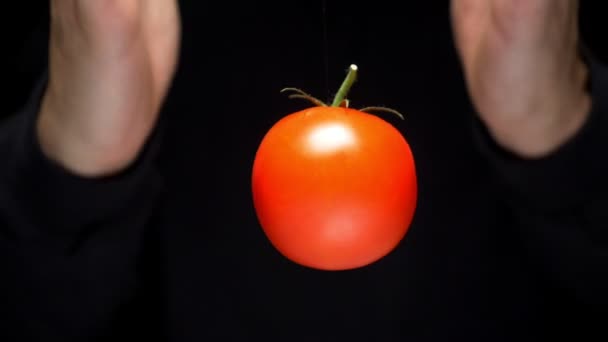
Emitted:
pixel 330 138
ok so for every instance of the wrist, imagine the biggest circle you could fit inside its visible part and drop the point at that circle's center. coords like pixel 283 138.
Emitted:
pixel 59 143
pixel 558 116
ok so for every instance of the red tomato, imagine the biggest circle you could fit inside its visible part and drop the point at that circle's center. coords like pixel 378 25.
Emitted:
pixel 334 188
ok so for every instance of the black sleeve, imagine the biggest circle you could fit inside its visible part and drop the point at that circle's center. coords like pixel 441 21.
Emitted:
pixel 69 246
pixel 559 206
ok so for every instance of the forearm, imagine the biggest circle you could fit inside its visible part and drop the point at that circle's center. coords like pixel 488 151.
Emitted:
pixel 559 202
pixel 69 246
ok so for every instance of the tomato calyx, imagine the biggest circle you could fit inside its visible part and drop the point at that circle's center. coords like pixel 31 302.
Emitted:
pixel 340 100
pixel 300 94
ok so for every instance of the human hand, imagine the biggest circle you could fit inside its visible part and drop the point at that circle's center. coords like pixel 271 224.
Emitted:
pixel 523 70
pixel 111 64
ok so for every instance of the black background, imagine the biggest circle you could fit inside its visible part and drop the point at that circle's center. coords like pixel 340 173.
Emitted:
pixel 235 58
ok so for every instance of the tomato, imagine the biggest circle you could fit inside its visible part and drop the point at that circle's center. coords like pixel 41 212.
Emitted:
pixel 334 188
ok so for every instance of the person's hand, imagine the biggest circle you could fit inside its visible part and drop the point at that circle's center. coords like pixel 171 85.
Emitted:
pixel 110 66
pixel 523 70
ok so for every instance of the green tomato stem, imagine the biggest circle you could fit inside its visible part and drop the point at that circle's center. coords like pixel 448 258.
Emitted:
pixel 346 85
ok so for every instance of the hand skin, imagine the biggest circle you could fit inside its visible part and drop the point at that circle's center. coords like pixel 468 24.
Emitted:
pixel 523 70
pixel 111 63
